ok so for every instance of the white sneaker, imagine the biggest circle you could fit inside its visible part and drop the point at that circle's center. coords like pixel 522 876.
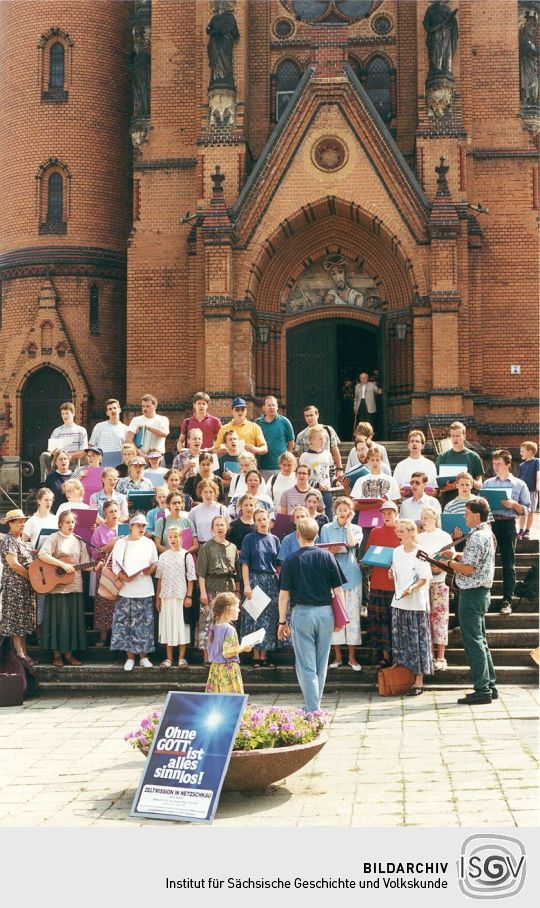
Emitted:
pixel 129 665
pixel 145 663
pixel 182 663
pixel 356 667
pixel 440 665
pixel 335 665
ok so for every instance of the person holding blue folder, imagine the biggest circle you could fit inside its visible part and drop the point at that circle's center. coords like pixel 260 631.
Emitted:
pixel 517 503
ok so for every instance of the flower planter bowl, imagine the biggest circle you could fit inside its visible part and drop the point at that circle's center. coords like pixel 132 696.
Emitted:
pixel 253 769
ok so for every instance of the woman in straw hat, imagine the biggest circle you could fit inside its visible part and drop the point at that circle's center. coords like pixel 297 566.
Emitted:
pixel 18 597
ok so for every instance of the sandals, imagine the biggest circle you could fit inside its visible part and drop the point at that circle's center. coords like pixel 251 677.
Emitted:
pixel 71 660
pixel 58 662
pixel 166 664
pixel 415 691
pixel 267 664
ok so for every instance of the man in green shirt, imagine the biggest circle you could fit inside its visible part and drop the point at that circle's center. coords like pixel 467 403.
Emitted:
pixel 459 455
pixel 278 434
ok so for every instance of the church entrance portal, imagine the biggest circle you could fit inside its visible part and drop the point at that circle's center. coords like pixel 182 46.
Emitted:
pixel 42 395
pixel 322 356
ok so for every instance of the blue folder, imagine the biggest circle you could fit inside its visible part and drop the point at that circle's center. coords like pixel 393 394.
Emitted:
pixel 138 441
pixel 378 556
pixel 494 498
pixel 449 522
pixel 355 473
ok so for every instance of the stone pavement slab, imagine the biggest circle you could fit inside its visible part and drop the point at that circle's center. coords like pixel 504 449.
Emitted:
pixel 388 762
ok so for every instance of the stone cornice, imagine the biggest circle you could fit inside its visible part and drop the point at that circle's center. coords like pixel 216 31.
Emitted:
pixel 37 261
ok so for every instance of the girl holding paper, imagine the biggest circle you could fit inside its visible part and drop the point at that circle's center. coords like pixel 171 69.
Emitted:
pixel 259 560
pixel 411 637
pixel 217 566
pixel 224 676
pixel 175 518
pixel 342 530
pixel 432 539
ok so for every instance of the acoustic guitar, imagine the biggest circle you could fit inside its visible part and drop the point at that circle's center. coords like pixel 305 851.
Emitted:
pixel 450 578
pixel 45 577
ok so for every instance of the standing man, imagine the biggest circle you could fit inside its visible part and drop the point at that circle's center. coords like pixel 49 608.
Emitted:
pixel 414 462
pixel 111 434
pixel 475 569
pixel 412 506
pixel 156 427
pixel 248 432
pixel 200 419
pixel 331 440
pixel 72 439
pixel 309 579
pixel 458 455
pixel 365 400
pixel 504 520
pixel 278 434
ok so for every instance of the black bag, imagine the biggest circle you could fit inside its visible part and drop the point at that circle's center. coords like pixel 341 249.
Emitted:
pixel 528 588
pixel 15 675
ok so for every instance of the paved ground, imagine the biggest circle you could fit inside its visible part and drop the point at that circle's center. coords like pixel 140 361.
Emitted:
pixel 389 762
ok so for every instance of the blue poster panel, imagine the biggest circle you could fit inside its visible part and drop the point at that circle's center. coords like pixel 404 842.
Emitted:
pixel 189 757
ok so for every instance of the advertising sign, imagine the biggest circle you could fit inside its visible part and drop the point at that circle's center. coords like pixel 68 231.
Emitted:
pixel 189 757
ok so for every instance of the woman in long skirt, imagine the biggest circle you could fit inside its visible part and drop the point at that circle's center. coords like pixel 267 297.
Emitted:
pixel 134 560
pixel 381 588
pixel 258 558
pixel 18 599
pixel 104 538
pixel 411 637
pixel 64 628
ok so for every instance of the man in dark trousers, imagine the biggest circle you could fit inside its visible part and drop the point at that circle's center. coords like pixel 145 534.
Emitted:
pixel 475 569
pixel 309 577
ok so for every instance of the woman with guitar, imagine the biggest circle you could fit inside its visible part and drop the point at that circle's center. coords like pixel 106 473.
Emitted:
pixel 411 637
pixel 64 627
pixel 432 540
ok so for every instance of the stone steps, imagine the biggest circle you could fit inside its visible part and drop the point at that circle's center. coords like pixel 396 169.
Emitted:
pixel 113 679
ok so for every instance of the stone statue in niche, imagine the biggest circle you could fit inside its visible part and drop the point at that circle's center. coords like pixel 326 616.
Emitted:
pixel 334 281
pixel 223 35
pixel 529 60
pixel 441 42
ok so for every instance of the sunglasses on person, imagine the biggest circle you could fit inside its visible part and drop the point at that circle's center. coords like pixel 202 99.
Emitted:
pixel 415 482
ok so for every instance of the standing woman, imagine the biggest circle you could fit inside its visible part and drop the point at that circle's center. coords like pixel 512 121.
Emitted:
pixel 259 560
pixel 206 471
pixel 411 638
pixel 134 560
pixel 43 519
pixel 57 477
pixel 18 597
pixel 104 538
pixel 343 530
pixel 63 621
pixel 432 539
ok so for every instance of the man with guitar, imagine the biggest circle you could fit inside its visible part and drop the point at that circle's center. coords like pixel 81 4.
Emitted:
pixel 474 570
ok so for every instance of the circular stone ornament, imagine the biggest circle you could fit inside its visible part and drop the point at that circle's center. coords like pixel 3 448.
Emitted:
pixel 329 154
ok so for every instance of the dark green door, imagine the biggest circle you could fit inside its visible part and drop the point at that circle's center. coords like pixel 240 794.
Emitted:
pixel 311 371
pixel 42 395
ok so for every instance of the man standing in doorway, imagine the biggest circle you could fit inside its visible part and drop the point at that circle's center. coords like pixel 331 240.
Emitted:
pixel 365 400
pixel 278 434
pixel 309 578
pixel 331 440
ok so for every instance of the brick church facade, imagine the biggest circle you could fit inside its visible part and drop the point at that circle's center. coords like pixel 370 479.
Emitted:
pixel 268 196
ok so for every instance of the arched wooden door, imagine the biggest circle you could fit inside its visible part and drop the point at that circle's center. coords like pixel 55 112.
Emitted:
pixel 42 395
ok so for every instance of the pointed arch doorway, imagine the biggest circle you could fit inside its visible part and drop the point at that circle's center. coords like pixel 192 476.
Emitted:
pixel 42 394
pixel 321 356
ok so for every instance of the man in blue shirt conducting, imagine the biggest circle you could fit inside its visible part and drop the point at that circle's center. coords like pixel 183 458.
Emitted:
pixel 309 577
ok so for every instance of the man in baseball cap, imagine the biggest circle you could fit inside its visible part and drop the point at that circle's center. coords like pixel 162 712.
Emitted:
pixel 248 432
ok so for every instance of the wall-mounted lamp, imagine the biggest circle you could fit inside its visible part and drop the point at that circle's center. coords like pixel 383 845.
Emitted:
pixel 264 333
pixel 401 330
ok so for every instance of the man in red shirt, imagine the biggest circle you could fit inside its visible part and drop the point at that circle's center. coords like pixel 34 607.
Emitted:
pixel 209 425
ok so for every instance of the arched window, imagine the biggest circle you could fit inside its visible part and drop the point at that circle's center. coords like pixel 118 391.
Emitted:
pixel 56 66
pixel 55 199
pixel 288 75
pixel 94 309
pixel 377 80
